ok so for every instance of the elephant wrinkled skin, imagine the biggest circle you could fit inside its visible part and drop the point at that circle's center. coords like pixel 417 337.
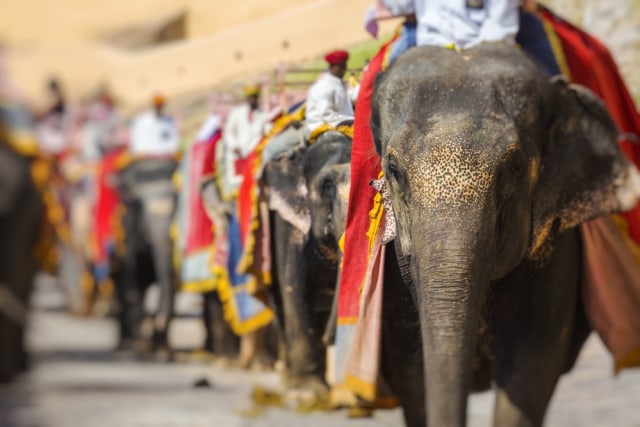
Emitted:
pixel 490 167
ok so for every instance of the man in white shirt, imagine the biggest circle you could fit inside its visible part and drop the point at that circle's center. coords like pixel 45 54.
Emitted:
pixel 458 24
pixel 245 126
pixel 154 133
pixel 327 100
pixel 465 23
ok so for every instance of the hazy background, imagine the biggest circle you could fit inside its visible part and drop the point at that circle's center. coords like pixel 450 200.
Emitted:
pixel 138 47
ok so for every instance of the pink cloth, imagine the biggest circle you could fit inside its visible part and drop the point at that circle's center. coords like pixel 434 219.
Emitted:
pixel 611 289
pixel 363 364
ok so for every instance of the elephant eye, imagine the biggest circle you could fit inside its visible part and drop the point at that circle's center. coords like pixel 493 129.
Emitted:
pixel 328 189
pixel 395 173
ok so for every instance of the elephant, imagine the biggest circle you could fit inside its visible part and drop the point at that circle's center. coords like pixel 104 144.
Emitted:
pixel 489 167
pixel 149 198
pixel 305 261
pixel 22 215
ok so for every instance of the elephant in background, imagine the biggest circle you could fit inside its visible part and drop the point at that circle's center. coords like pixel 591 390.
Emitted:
pixel 305 261
pixel 149 198
pixel 219 338
pixel 22 215
pixel 490 166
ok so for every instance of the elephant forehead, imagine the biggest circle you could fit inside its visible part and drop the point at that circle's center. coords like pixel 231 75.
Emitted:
pixel 450 173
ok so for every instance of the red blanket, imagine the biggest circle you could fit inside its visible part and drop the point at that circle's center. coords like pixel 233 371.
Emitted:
pixel 201 161
pixel 365 166
pixel 106 227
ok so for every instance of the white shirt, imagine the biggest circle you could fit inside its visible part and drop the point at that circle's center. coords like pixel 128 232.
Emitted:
pixel 445 22
pixel 154 136
pixel 240 136
pixel 327 102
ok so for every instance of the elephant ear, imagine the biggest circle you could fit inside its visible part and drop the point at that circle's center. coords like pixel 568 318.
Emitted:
pixel 583 173
pixel 286 189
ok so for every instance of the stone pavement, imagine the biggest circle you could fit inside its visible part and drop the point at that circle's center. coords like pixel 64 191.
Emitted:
pixel 78 382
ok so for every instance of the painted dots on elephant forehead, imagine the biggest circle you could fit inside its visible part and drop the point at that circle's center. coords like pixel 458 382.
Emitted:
pixel 451 174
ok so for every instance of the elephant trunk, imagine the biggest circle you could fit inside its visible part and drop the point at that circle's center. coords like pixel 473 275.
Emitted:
pixel 452 275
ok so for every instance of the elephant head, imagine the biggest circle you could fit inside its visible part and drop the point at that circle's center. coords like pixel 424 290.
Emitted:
pixel 328 187
pixel 486 161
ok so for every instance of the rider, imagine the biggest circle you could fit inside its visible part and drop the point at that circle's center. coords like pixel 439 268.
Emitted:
pixel 455 25
pixel 154 133
pixel 245 126
pixel 328 103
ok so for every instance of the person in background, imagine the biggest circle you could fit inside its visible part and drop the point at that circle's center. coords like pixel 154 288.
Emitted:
pixel 245 126
pixel 154 132
pixel 327 100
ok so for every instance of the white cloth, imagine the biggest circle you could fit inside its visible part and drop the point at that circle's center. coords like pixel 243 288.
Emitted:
pixel 445 22
pixel 211 124
pixel 385 9
pixel 53 134
pixel 154 136
pixel 327 102
pixel 99 132
pixel 242 132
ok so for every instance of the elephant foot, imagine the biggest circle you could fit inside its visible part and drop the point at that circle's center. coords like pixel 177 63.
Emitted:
pixel 195 356
pixel 126 344
pixel 360 412
pixel 222 362
pixel 302 386
pixel 342 397
pixel 163 355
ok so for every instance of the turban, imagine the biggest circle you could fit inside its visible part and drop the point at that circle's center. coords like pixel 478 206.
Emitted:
pixel 337 57
pixel 158 100
pixel 251 90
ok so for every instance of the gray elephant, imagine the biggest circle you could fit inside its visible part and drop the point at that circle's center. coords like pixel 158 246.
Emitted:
pixel 305 261
pixel 149 197
pixel 22 215
pixel 490 166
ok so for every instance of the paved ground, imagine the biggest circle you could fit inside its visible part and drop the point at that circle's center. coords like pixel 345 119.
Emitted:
pixel 78 382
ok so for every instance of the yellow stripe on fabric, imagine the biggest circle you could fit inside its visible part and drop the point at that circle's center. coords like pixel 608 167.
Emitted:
pixel 200 286
pixel 375 217
pixel 346 130
pixel 230 311
pixel 556 48
pixel 23 142
pixel 347 320
pixel 362 388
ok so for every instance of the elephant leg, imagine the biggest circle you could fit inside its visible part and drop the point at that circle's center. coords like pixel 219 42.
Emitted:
pixel 535 330
pixel 162 257
pixel 220 340
pixel 125 279
pixel 249 346
pixel 131 310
